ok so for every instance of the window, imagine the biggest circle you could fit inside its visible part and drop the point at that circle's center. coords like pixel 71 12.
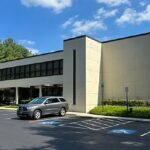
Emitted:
pixel 22 71
pixel 62 100
pixel 27 71
pixel 37 70
pixel 54 100
pixel 8 75
pixel 56 68
pixel 43 69
pixel 17 73
pixel 50 68
pixel 61 67
pixel 3 74
pixel 12 73
pixel 32 70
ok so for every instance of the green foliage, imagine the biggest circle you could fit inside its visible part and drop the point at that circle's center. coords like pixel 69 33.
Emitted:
pixel 9 106
pixel 9 50
pixel 24 101
pixel 107 110
pixel 122 102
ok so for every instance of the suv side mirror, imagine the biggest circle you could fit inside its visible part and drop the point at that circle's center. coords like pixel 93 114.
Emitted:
pixel 46 102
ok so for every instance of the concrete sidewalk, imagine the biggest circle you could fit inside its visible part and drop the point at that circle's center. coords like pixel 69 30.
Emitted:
pixel 91 115
pixel 101 116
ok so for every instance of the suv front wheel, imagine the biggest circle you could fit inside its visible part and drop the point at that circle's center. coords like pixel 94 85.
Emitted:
pixel 37 114
pixel 62 112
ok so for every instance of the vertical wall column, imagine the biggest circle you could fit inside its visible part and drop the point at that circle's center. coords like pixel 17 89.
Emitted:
pixel 17 95
pixel 40 91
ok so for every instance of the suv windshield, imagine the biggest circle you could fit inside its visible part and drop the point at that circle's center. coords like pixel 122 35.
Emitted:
pixel 37 100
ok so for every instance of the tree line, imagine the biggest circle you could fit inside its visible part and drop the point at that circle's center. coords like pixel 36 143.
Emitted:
pixel 10 50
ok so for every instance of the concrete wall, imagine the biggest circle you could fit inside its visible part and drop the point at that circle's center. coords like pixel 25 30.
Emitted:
pixel 77 44
pixel 27 82
pixel 126 63
pixel 93 75
pixel 31 60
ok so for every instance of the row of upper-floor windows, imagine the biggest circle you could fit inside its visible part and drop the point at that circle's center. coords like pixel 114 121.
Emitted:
pixel 49 68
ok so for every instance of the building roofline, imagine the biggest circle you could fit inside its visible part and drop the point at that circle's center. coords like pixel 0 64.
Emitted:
pixel 82 36
pixel 127 37
pixel 57 51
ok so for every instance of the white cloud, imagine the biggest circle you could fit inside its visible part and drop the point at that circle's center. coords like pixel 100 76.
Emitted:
pixel 26 42
pixel 33 51
pixel 142 3
pixel 103 13
pixel 87 26
pixel 56 5
pixel 114 2
pixel 69 21
pixel 131 16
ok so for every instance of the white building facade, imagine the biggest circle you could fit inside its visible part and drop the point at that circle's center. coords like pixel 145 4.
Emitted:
pixel 84 71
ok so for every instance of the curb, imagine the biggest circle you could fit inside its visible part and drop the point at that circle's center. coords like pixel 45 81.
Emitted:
pixel 101 116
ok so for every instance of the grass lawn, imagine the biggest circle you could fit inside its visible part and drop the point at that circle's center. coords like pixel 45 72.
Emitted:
pixel 121 111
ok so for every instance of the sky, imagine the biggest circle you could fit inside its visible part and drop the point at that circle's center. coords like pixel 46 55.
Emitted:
pixel 42 25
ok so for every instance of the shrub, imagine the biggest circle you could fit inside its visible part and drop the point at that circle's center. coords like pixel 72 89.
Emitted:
pixel 24 101
pixel 122 102
pixel 107 110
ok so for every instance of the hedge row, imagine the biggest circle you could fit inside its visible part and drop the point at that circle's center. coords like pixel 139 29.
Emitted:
pixel 24 101
pixel 123 102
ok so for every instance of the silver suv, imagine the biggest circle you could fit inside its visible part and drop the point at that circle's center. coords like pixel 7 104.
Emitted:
pixel 41 106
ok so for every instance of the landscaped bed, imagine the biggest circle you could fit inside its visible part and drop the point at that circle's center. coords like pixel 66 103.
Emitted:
pixel 121 111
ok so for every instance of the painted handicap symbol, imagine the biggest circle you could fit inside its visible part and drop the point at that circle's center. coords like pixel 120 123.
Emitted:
pixel 122 131
pixel 49 122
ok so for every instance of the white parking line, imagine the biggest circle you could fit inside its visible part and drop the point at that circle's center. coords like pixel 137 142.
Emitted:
pixel 75 127
pixel 111 121
pixel 87 127
pixel 106 121
pixel 99 123
pixel 94 124
pixel 145 134
pixel 7 114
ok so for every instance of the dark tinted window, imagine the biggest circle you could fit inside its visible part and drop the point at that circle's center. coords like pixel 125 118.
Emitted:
pixel 43 69
pixel 62 100
pixel 12 73
pixel 8 71
pixel 33 70
pixel 54 100
pixel 56 67
pixel 22 72
pixel 50 68
pixel 61 66
pixel 17 72
pixel 37 70
pixel 27 71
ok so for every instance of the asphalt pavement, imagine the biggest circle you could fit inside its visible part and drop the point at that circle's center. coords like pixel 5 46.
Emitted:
pixel 72 133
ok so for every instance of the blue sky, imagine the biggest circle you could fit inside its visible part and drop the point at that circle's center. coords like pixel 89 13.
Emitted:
pixel 42 25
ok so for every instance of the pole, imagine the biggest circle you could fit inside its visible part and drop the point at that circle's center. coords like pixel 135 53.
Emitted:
pixel 102 87
pixel 127 98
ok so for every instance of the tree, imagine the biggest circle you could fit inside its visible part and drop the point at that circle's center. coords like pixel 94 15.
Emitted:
pixel 10 50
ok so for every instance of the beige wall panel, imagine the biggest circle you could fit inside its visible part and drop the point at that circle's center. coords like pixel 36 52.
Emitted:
pixel 32 81
pixel 126 63
pixel 93 69
pixel 79 45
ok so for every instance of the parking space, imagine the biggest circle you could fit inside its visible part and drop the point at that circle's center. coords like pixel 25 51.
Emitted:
pixel 72 132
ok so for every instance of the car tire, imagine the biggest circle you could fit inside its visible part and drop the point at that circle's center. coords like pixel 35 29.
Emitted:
pixel 37 114
pixel 62 112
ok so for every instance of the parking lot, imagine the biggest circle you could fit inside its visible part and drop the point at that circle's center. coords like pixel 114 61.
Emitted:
pixel 71 133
